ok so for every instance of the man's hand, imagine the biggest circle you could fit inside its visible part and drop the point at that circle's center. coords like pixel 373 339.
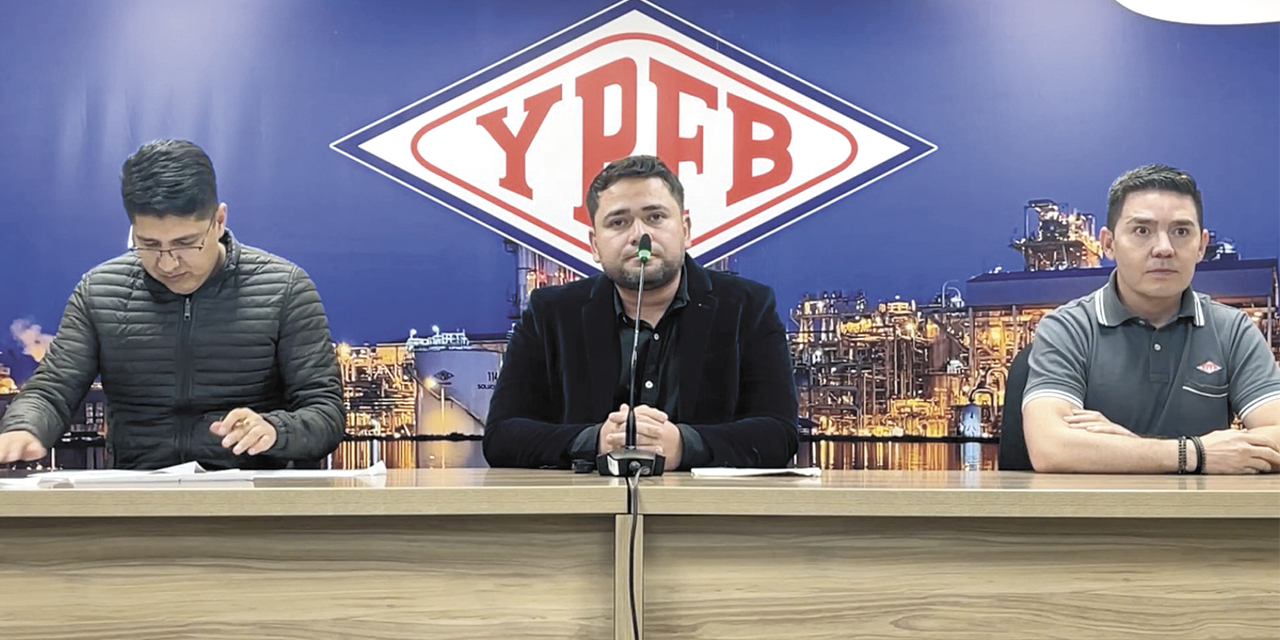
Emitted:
pixel 243 430
pixel 654 432
pixel 615 424
pixel 20 445
pixel 1095 422
pixel 1235 452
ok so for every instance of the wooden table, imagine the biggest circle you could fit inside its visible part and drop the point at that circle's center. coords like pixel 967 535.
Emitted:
pixel 469 553
pixel 480 553
pixel 956 555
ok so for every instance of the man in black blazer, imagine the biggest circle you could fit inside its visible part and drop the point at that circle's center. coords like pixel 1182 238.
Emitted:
pixel 713 374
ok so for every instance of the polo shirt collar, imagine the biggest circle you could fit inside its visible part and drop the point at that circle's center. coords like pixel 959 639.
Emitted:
pixel 1112 313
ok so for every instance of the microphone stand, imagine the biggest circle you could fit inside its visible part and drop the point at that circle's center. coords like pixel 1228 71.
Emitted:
pixel 629 460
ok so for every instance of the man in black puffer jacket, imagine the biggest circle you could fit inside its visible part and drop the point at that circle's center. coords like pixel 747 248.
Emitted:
pixel 209 350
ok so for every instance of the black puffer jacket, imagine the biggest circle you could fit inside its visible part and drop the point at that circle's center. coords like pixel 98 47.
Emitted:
pixel 254 335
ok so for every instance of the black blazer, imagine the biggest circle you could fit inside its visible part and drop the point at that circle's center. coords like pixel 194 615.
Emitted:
pixel 562 364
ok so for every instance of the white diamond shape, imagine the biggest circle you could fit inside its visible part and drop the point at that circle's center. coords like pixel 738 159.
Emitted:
pixel 440 147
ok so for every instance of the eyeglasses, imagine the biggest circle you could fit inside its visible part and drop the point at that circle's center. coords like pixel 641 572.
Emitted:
pixel 176 253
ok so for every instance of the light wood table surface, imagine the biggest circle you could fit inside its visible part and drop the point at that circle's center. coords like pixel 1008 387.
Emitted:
pixel 957 555
pixel 469 553
pixel 939 494
pixel 403 492
pixel 477 553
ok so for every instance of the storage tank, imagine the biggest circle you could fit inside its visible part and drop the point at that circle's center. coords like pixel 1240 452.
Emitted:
pixel 456 382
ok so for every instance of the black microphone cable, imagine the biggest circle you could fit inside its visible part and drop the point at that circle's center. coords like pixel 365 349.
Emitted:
pixel 633 501
pixel 633 478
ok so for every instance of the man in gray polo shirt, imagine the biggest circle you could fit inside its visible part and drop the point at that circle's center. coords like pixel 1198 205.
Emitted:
pixel 1144 374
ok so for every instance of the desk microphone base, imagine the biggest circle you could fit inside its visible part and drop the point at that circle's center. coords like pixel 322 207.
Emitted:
pixel 623 462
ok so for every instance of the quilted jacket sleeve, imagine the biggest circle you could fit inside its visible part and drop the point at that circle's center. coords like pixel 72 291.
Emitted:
pixel 312 425
pixel 60 382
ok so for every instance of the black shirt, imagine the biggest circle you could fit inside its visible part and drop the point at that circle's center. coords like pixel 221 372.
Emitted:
pixel 657 356
pixel 657 376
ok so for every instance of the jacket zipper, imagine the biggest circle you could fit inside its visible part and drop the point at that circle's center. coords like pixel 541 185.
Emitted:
pixel 184 380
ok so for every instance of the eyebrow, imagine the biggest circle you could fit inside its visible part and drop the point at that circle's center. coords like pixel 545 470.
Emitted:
pixel 1139 219
pixel 648 207
pixel 187 239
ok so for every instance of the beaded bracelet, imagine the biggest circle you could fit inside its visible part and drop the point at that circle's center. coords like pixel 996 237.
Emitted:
pixel 1195 440
pixel 1182 454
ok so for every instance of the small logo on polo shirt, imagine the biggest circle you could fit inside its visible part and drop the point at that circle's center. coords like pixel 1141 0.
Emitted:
pixel 1209 367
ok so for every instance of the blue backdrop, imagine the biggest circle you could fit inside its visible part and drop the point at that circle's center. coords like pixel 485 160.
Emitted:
pixel 1023 98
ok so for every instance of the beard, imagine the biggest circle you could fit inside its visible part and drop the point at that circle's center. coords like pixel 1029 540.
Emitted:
pixel 659 273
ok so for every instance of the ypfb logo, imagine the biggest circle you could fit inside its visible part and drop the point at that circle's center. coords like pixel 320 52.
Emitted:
pixel 514 146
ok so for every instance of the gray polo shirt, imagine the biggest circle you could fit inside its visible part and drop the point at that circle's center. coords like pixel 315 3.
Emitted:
pixel 1186 378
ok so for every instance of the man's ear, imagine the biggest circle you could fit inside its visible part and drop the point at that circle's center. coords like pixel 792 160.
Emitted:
pixel 1107 240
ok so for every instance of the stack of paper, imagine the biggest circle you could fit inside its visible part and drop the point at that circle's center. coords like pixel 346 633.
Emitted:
pixel 190 472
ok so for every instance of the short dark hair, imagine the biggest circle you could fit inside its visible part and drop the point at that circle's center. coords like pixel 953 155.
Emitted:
pixel 169 178
pixel 633 167
pixel 1151 177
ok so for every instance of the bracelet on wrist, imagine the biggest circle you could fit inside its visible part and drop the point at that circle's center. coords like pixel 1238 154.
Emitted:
pixel 1182 454
pixel 1195 440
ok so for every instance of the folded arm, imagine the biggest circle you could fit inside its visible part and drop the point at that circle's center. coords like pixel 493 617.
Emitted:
pixel 1056 447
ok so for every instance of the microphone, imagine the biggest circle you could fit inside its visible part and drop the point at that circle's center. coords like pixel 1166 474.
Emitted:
pixel 629 460
pixel 644 252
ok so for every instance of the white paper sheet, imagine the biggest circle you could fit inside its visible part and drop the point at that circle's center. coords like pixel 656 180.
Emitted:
pixel 731 472
pixel 190 472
